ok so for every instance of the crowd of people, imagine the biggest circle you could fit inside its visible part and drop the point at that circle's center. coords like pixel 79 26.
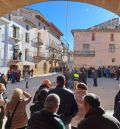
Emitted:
pixel 57 108
pixel 14 75
pixel 83 73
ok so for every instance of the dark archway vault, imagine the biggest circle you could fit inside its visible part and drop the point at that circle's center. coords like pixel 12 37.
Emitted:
pixel 7 6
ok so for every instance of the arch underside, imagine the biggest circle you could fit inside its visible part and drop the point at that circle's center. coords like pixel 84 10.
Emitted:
pixel 7 6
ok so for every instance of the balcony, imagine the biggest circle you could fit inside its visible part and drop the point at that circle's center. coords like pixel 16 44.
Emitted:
pixel 37 59
pixel 15 59
pixel 84 53
pixel 38 41
pixel 16 37
pixel 42 56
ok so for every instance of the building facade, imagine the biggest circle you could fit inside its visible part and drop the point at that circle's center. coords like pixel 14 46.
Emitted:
pixel 29 40
pixel 96 47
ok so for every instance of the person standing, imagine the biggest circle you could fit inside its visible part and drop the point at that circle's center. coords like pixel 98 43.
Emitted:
pixel 94 72
pixel 19 119
pixel 39 103
pixel 3 80
pixel 117 73
pixel 46 84
pixel 80 91
pixel 96 117
pixel 117 99
pixel 47 118
pixel 27 76
pixel 2 104
pixel 31 72
pixel 20 55
pixel 68 106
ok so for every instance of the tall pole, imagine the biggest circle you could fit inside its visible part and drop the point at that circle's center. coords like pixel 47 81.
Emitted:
pixel 66 20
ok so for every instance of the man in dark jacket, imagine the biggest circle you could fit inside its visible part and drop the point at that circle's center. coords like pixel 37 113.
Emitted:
pixel 117 112
pixel 68 106
pixel 45 84
pixel 95 117
pixel 117 99
pixel 47 118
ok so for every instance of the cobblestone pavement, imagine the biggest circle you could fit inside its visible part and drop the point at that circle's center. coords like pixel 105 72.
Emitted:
pixel 107 89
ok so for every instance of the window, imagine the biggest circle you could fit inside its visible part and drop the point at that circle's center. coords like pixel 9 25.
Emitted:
pixel 93 36
pixel 44 27
pixel 112 48
pixel 39 24
pixel 27 36
pixel 111 37
pixel 15 32
pixel 27 27
pixel 113 60
pixel 86 47
pixel 39 36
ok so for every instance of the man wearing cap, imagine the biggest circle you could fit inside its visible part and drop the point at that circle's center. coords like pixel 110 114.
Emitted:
pixel 95 117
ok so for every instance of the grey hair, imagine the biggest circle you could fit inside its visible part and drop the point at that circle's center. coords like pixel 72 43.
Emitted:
pixel 51 101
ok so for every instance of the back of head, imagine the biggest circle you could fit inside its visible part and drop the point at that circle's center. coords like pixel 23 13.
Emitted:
pixel 2 87
pixel 60 80
pixel 17 94
pixel 52 101
pixel 81 86
pixel 42 95
pixel 47 83
pixel 93 100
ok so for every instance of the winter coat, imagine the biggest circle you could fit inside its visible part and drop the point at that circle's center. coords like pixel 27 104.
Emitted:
pixel 117 98
pixel 117 112
pixel 97 119
pixel 45 120
pixel 68 105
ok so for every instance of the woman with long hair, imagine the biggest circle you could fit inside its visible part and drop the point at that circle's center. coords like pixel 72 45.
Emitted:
pixel 19 119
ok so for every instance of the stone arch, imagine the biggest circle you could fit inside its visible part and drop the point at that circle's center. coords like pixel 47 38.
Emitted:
pixel 43 66
pixel 8 5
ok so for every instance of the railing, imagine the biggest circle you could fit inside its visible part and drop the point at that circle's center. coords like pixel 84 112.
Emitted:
pixel 84 53
pixel 18 37
pixel 41 57
pixel 38 41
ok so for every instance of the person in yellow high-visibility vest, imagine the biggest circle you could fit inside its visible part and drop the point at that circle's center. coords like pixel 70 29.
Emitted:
pixel 76 79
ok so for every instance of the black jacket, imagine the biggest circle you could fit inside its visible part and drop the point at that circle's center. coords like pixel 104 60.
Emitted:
pixel 68 107
pixel 37 92
pixel 97 119
pixel 117 98
pixel 117 111
pixel 45 120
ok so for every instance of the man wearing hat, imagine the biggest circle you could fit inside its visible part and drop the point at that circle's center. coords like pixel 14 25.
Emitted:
pixel 95 117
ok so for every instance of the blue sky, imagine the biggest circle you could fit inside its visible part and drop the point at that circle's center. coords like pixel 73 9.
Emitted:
pixel 80 16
